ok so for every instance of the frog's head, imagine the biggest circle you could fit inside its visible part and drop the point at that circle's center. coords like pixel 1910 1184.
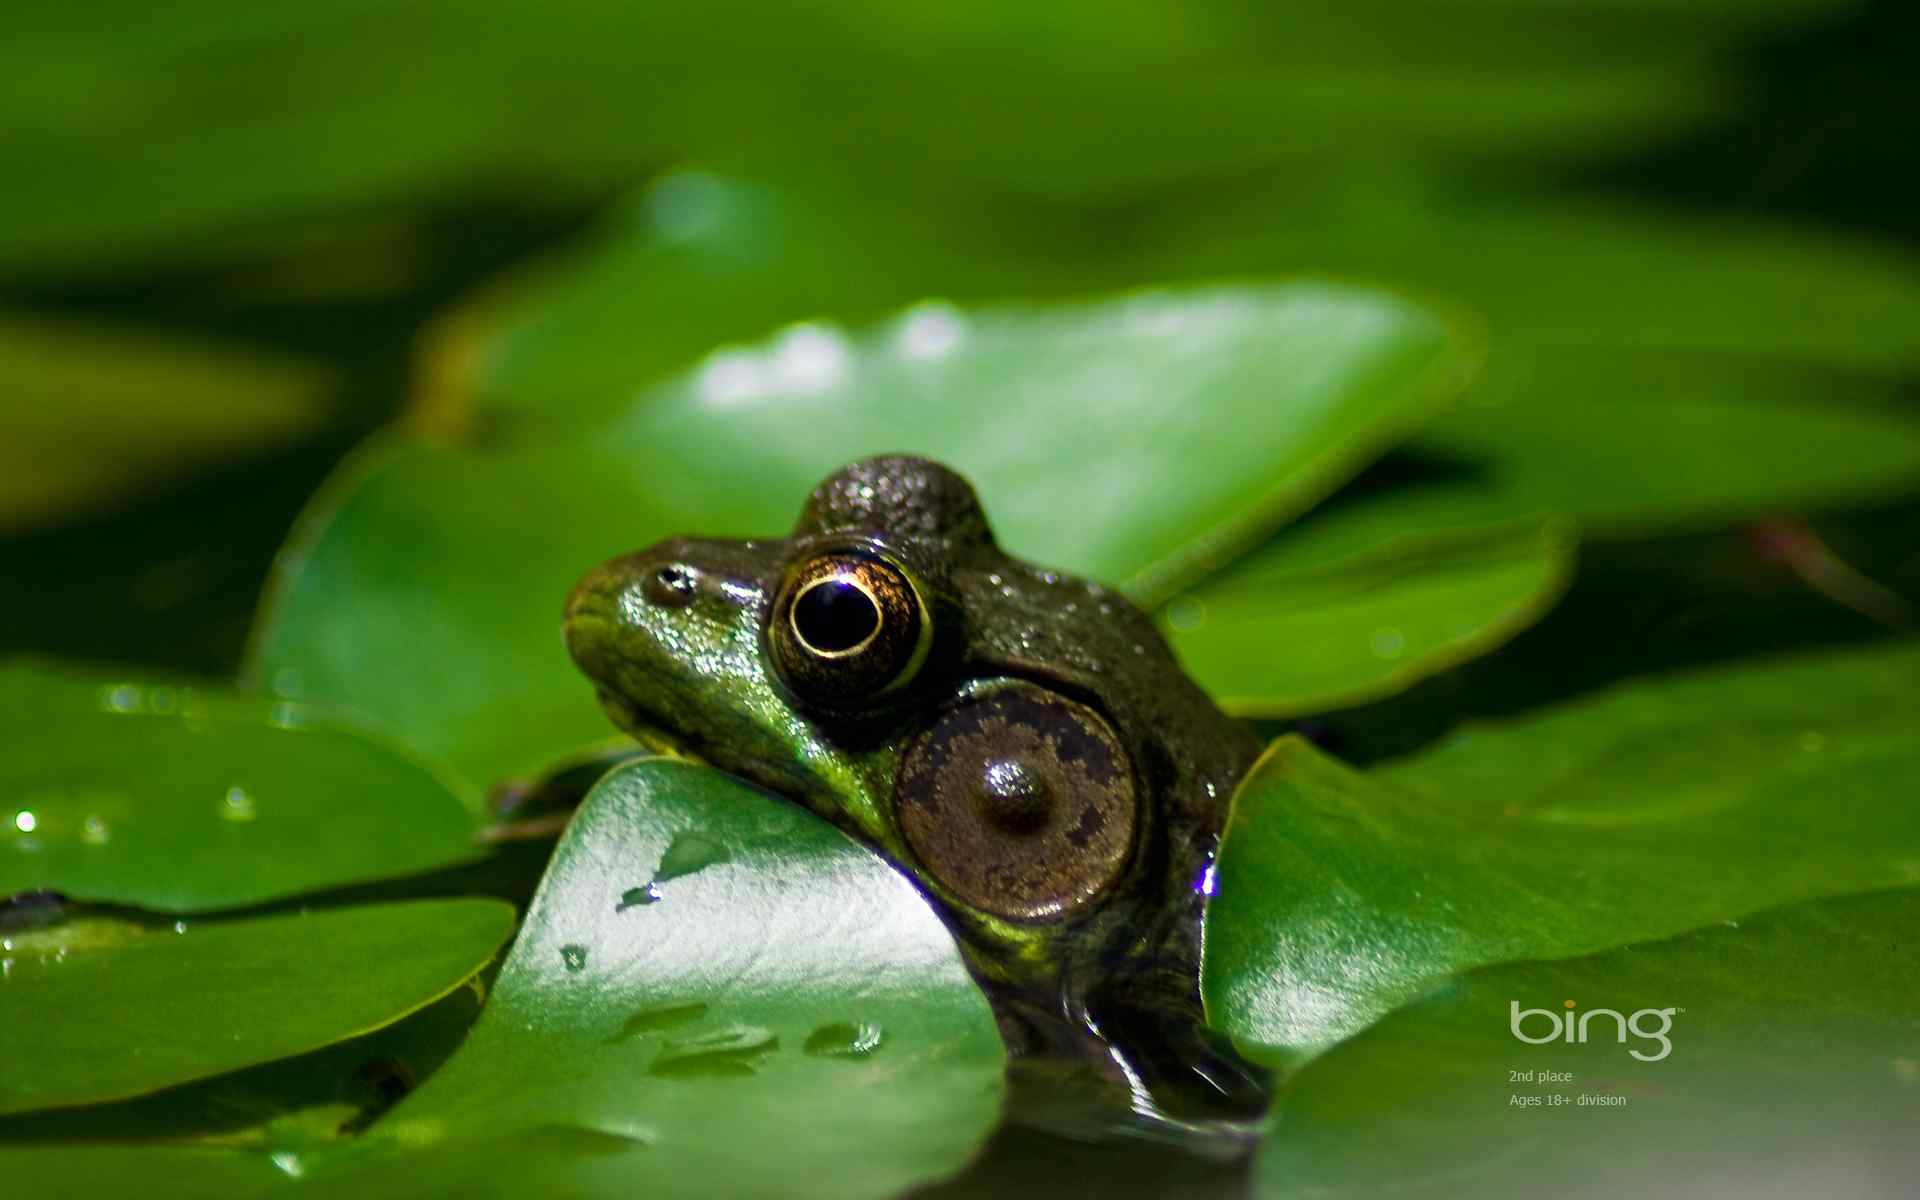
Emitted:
pixel 1020 742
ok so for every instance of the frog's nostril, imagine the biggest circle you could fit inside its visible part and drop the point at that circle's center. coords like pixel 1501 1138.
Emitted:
pixel 672 585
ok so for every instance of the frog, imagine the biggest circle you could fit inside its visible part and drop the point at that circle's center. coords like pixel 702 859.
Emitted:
pixel 1019 742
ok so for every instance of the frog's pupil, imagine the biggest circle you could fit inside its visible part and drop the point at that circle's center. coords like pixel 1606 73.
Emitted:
pixel 835 615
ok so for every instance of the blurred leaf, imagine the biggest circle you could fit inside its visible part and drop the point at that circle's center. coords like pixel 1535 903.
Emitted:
pixel 782 978
pixel 1642 812
pixel 1627 442
pixel 183 800
pixel 1792 1071
pixel 129 136
pixel 1267 640
pixel 1183 424
pixel 118 1009
pixel 700 259
pixel 1581 272
pixel 90 416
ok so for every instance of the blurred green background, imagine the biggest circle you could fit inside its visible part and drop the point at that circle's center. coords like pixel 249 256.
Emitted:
pixel 235 239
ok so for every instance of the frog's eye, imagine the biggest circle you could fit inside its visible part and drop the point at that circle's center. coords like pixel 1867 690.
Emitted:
pixel 1019 801
pixel 847 629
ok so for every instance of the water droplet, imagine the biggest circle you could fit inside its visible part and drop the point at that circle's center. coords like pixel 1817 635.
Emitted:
pixel 288 1163
pixel 576 1140
pixel 930 330
pixel 94 831
pixel 25 821
pixel 636 897
pixel 1187 614
pixel 687 853
pixel 179 926
pixel 843 1039
pixel 287 716
pixel 120 698
pixel 733 1051
pixel 238 806
pixel 1387 643
pixel 574 956
pixel 162 700
pixel 1813 741
pixel 994 579
pixel 664 1016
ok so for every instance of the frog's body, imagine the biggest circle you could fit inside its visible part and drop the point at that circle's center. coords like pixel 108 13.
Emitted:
pixel 1020 742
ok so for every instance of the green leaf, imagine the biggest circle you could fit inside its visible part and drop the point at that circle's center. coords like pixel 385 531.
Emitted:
pixel 1268 641
pixel 183 799
pixel 391 601
pixel 284 1108
pixel 185 1173
pixel 245 1133
pixel 136 138
pixel 1582 272
pixel 1792 1067
pixel 703 961
pixel 119 1008
pixel 91 416
pixel 1565 434
pixel 1647 810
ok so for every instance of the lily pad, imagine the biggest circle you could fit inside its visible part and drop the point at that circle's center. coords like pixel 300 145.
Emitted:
pixel 700 259
pixel 245 1133
pixel 1268 640
pixel 280 1109
pixel 1773 1056
pixel 187 799
pixel 629 1042
pixel 390 602
pixel 118 1008
pixel 1647 810
pixel 90 416
pixel 132 138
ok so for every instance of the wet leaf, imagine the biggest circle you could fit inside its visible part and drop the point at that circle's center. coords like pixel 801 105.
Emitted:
pixel 1774 1056
pixel 624 1050
pixel 391 602
pixel 90 416
pixel 1639 813
pixel 1268 641
pixel 119 1008
pixel 287 1107
pixel 185 799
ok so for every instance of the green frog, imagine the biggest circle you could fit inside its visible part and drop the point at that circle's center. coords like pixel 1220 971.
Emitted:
pixel 1021 743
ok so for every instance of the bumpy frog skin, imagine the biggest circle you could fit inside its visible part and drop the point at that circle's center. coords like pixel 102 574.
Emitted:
pixel 1020 742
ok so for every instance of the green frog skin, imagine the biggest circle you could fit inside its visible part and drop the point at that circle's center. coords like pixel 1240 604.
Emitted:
pixel 1019 742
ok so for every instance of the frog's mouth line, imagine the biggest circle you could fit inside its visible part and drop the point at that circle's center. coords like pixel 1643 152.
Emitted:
pixel 651 734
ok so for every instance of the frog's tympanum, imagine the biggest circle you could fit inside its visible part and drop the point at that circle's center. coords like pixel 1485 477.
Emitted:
pixel 1020 742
